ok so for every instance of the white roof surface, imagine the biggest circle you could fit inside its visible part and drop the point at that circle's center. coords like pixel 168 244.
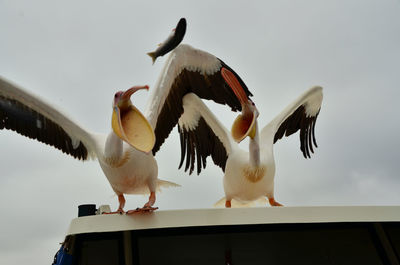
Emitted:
pixel 233 216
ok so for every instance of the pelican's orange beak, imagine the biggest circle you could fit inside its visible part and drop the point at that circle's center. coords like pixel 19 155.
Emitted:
pixel 244 125
pixel 129 123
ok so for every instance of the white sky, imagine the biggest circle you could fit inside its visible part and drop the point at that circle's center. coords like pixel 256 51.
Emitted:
pixel 76 54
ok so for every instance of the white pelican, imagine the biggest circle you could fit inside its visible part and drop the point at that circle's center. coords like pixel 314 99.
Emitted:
pixel 249 176
pixel 126 153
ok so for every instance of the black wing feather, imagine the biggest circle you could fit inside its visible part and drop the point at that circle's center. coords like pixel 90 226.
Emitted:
pixel 299 120
pixel 18 117
pixel 201 143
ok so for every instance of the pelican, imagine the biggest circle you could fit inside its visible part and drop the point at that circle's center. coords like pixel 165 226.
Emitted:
pixel 126 154
pixel 123 154
pixel 249 176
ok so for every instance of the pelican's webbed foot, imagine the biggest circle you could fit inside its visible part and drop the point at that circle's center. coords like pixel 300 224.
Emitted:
pixel 272 202
pixel 144 209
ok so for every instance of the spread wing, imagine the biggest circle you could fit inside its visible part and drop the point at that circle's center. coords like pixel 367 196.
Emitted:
pixel 301 115
pixel 30 116
pixel 187 70
pixel 202 135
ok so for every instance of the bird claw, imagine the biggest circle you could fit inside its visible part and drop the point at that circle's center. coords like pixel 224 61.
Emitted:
pixel 145 209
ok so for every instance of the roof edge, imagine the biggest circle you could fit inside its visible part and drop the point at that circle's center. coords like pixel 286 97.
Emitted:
pixel 233 216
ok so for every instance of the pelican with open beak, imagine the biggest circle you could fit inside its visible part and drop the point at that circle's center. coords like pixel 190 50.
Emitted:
pixel 128 122
pixel 124 154
pixel 249 175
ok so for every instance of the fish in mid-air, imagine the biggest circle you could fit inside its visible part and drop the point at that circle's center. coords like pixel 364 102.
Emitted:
pixel 172 41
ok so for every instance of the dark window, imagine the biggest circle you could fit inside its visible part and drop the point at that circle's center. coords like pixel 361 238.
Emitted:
pixel 99 249
pixel 393 233
pixel 329 243
pixel 269 245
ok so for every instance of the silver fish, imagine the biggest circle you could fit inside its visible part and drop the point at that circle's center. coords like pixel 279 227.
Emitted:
pixel 172 41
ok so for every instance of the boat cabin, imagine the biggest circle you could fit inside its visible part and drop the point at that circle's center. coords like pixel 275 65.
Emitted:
pixel 279 235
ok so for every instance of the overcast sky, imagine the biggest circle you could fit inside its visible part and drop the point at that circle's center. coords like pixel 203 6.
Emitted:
pixel 77 54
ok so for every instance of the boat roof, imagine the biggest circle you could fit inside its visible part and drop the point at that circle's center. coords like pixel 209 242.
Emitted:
pixel 234 216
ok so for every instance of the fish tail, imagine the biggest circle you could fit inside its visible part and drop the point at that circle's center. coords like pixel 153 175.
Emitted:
pixel 153 56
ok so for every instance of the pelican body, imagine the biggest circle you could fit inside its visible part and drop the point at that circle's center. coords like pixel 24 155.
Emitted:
pixel 118 168
pixel 246 182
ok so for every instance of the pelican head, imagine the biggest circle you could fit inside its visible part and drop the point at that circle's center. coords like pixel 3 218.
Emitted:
pixel 245 124
pixel 129 123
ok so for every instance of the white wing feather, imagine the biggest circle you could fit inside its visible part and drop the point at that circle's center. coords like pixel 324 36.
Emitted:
pixel 311 100
pixel 182 57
